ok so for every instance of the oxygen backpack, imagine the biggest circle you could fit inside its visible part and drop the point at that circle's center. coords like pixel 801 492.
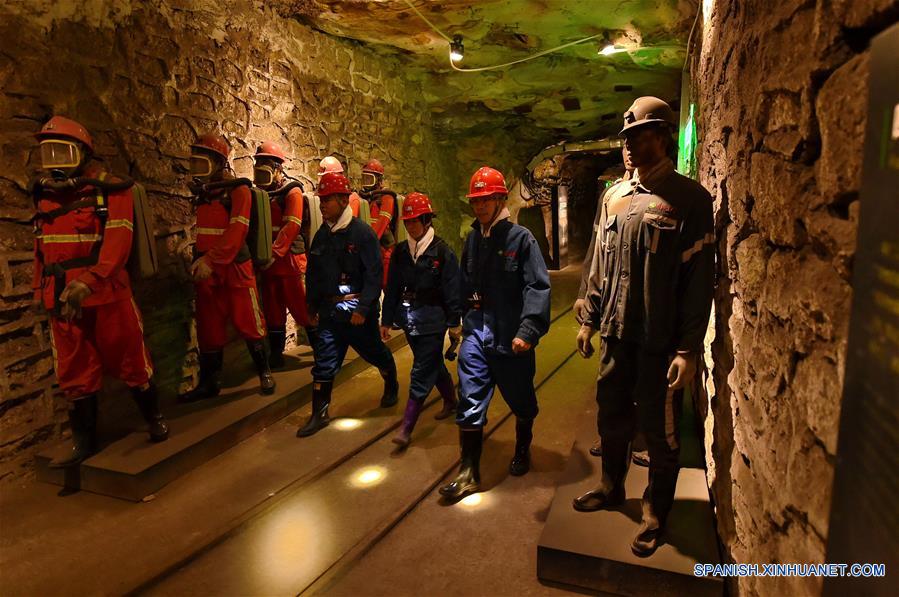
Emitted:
pixel 143 261
pixel 259 236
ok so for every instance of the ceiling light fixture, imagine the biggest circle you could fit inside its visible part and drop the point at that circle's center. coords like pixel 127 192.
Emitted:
pixel 457 49
pixel 457 39
pixel 607 48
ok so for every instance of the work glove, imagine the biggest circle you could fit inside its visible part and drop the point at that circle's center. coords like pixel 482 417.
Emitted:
pixel 72 297
pixel 584 345
pixel 200 269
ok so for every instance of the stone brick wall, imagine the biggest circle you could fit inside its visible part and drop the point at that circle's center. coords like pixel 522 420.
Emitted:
pixel 145 77
pixel 781 93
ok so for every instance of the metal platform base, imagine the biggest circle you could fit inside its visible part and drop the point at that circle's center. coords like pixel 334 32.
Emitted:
pixel 592 550
pixel 133 467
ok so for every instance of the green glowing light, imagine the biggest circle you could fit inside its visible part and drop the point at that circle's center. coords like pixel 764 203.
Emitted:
pixel 686 150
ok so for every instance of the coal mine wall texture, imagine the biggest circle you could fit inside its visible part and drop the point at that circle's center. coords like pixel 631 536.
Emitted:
pixel 145 78
pixel 781 90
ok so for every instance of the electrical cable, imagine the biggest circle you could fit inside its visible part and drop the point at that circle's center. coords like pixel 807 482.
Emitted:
pixel 505 64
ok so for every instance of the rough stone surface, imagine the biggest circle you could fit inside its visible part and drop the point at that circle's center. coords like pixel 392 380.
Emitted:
pixel 145 77
pixel 781 143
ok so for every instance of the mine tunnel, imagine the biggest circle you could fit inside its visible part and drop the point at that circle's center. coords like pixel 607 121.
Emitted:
pixel 418 297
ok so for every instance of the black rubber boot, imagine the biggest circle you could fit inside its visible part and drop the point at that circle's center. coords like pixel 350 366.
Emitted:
pixel 469 478
pixel 277 338
pixel 210 383
pixel 83 420
pixel 260 359
pixel 524 433
pixel 391 388
pixel 321 400
pixel 148 404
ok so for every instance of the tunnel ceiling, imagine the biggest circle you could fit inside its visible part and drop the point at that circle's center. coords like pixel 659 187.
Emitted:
pixel 571 94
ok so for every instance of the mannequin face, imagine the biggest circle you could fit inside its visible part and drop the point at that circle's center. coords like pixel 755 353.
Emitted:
pixel 416 228
pixel 487 208
pixel 645 145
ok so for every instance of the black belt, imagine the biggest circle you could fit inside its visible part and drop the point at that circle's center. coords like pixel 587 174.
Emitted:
pixel 58 270
pixel 430 297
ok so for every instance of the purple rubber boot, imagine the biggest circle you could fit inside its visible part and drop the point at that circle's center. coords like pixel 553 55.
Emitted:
pixel 413 408
pixel 447 390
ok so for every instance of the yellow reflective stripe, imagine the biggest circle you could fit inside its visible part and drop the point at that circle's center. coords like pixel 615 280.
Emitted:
pixel 708 239
pixel 213 231
pixel 257 313
pixel 148 368
pixel 53 346
pixel 240 220
pixel 120 224
pixel 69 238
pixel 294 219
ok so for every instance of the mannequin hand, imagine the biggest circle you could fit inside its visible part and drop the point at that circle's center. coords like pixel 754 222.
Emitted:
pixel 519 346
pixel 681 371
pixel 200 269
pixel 584 345
pixel 580 310
pixel 72 296
pixel 455 333
pixel 385 333
pixel 357 319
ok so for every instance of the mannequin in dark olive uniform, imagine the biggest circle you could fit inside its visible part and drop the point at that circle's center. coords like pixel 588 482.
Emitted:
pixel 649 296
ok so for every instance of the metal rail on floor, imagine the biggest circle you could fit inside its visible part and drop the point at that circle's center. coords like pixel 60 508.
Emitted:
pixel 241 522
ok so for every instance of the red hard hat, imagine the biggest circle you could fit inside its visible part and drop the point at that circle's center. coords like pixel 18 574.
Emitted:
pixel 373 166
pixel 333 183
pixel 329 164
pixel 416 204
pixel 60 126
pixel 213 142
pixel 487 181
pixel 270 149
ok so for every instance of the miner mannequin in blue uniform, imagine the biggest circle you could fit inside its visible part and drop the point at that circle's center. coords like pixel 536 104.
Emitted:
pixel 649 295
pixel 505 287
pixel 422 297
pixel 343 286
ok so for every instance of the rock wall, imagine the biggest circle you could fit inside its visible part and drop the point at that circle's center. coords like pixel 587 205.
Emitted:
pixel 781 94
pixel 145 77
